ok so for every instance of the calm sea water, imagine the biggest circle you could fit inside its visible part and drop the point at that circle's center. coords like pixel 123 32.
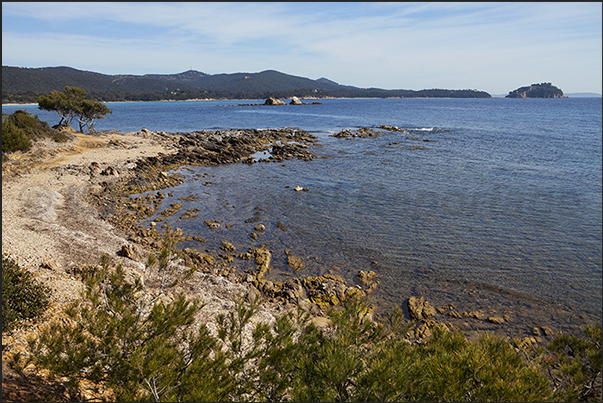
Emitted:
pixel 500 209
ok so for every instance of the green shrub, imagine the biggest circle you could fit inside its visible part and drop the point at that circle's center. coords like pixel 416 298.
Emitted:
pixel 14 138
pixel 22 296
pixel 128 338
pixel 363 361
pixel 579 364
pixel 21 127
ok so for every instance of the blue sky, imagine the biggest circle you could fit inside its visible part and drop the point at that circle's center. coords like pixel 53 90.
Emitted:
pixel 494 47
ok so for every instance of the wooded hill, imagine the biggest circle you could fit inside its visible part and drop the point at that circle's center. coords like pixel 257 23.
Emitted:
pixel 23 85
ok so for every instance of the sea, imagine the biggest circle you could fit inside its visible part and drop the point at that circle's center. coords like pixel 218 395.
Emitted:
pixel 479 205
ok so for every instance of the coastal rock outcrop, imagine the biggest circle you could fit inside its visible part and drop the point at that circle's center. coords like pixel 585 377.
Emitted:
pixel 362 132
pixel 419 308
pixel 274 101
pixel 235 145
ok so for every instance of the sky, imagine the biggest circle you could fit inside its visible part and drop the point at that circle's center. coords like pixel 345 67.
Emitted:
pixel 492 47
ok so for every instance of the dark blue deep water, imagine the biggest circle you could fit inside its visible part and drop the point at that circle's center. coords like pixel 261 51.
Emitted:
pixel 500 210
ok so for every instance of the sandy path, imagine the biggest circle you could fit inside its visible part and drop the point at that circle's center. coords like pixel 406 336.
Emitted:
pixel 47 226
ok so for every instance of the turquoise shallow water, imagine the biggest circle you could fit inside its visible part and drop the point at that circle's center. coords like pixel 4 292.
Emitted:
pixel 501 208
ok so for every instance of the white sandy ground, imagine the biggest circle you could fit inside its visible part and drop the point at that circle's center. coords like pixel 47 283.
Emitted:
pixel 50 229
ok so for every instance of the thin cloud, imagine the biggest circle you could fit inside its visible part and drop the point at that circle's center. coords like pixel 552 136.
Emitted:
pixel 387 45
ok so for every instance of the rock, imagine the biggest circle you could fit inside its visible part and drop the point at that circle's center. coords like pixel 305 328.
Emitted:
pixel 274 101
pixel 64 128
pixel 366 277
pixel 260 227
pixel 262 261
pixel 198 258
pixel 305 305
pixel 292 289
pixel 423 331
pixel 94 168
pixel 445 308
pixel 211 224
pixel 419 308
pixel 323 290
pixel 362 132
pixel 50 265
pixel 296 263
pixel 110 171
pixel 547 331
pixel 295 101
pixel 129 252
pixel 170 211
pixel 496 319
pixel 253 294
pixel 354 293
pixel 334 277
pixel 527 343
pixel 227 247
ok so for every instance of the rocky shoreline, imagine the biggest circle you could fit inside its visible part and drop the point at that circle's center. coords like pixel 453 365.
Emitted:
pixel 65 204
pixel 208 148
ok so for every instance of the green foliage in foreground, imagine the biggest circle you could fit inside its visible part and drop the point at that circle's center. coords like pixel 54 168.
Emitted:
pixel 580 360
pixel 144 346
pixel 20 128
pixel 23 297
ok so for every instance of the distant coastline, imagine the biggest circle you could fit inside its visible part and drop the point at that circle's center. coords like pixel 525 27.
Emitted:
pixel 26 84
pixel 583 95
pixel 494 96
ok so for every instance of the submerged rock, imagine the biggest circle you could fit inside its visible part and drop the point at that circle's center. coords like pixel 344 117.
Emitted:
pixel 366 277
pixel 419 308
pixel 227 247
pixel 296 263
pixel 212 224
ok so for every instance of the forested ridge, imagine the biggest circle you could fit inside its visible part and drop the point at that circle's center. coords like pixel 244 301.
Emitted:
pixel 23 85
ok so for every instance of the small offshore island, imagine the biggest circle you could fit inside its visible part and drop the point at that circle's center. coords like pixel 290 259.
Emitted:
pixel 542 90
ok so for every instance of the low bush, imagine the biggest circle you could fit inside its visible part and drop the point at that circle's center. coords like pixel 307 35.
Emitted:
pixel 14 138
pixel 23 297
pixel 578 371
pixel 21 127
